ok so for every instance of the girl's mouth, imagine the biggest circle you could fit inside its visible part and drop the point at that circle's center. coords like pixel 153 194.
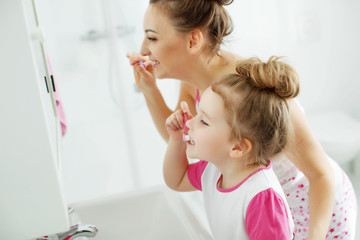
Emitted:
pixel 189 140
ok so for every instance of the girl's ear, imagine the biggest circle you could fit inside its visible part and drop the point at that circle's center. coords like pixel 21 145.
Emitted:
pixel 240 149
pixel 196 40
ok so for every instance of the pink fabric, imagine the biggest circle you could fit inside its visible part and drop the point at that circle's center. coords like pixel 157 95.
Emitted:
pixel 60 110
pixel 194 173
pixel 266 217
pixel 59 105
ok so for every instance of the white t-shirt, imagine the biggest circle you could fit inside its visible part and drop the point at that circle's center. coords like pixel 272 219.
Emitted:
pixel 256 208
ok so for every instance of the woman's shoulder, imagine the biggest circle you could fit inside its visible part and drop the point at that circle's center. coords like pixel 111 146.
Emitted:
pixel 231 57
pixel 229 61
pixel 187 89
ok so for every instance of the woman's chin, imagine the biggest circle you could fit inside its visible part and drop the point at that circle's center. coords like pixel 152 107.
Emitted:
pixel 160 75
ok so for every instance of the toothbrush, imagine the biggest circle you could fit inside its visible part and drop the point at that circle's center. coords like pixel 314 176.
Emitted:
pixel 143 64
pixel 186 136
pixel 197 100
pixel 147 64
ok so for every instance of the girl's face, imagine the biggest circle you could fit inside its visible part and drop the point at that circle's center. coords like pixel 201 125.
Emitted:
pixel 163 44
pixel 209 131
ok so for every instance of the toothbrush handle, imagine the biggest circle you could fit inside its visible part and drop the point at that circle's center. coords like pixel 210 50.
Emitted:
pixel 197 100
pixel 145 65
pixel 186 129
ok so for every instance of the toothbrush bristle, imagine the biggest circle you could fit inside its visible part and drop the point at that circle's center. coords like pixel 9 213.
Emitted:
pixel 186 138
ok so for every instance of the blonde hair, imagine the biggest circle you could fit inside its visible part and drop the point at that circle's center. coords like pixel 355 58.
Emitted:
pixel 255 99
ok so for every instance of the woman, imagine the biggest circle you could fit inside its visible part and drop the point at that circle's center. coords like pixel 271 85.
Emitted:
pixel 182 41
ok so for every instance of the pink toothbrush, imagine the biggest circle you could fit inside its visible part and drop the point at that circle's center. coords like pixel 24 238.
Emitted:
pixel 186 136
pixel 142 64
pixel 197 100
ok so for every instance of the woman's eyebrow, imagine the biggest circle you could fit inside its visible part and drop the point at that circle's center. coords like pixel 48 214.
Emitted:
pixel 150 30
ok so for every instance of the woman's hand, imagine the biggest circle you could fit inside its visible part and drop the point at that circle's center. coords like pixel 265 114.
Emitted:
pixel 143 71
pixel 176 121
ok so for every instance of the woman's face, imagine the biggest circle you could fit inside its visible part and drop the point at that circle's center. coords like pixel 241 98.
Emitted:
pixel 209 130
pixel 165 46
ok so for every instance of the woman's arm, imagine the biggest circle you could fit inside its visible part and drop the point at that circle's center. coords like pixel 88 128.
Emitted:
pixel 146 82
pixel 305 151
pixel 160 111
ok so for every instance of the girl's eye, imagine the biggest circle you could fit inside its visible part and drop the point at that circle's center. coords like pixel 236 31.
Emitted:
pixel 204 123
pixel 151 39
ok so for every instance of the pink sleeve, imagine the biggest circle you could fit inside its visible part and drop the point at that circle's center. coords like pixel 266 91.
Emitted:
pixel 266 217
pixel 194 173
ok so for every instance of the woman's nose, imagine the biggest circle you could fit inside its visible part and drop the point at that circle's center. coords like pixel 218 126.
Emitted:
pixel 144 50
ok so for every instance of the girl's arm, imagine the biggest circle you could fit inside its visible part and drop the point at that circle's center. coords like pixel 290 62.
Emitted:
pixel 306 153
pixel 175 161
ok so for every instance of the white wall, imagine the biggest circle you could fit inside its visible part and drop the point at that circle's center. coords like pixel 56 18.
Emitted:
pixel 319 37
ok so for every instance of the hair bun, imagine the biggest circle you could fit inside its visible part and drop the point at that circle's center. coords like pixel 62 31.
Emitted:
pixel 223 2
pixel 273 75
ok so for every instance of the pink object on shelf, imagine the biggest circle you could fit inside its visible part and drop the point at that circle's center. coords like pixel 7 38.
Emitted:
pixel 59 105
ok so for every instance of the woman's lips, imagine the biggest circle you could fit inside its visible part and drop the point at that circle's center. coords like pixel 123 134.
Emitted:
pixel 155 62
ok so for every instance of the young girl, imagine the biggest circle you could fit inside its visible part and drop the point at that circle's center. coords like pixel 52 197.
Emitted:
pixel 243 121
pixel 182 41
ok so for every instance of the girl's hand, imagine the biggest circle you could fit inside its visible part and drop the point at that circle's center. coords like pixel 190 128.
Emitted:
pixel 143 71
pixel 175 123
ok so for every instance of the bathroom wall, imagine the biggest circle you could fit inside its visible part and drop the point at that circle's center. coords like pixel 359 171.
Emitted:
pixel 319 38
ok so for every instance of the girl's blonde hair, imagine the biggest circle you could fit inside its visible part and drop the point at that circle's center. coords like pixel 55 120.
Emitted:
pixel 255 99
